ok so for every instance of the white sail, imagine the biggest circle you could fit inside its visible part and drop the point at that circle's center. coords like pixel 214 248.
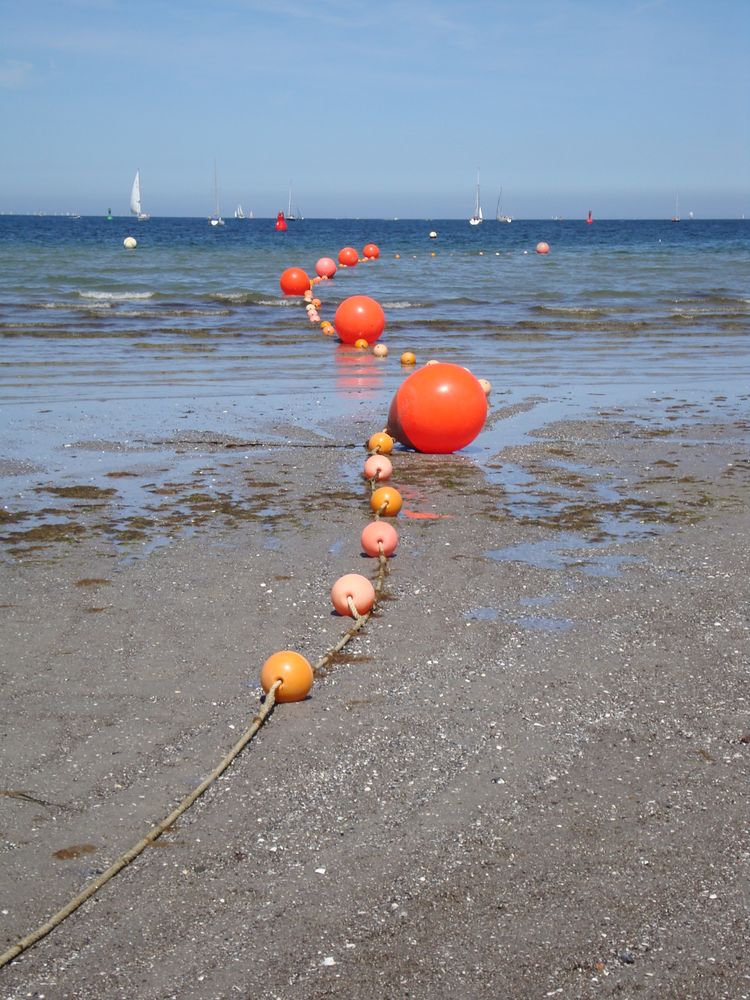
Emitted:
pixel 477 217
pixel 135 194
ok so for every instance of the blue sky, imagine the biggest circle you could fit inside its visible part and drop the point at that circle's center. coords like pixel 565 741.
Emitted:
pixel 377 108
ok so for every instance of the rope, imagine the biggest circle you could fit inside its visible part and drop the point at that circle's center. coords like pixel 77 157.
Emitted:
pixel 142 844
pixel 267 707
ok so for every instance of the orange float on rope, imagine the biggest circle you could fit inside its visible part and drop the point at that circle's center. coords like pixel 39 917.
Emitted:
pixel 408 358
pixel 378 467
pixel 438 409
pixel 348 256
pixel 294 281
pixel 378 533
pixel 386 501
pixel 356 588
pixel 381 442
pixel 359 318
pixel 294 672
pixel 371 251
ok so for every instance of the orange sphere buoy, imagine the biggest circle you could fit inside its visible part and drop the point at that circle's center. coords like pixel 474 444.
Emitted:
pixel 325 267
pixel 371 251
pixel 356 587
pixel 438 409
pixel 378 467
pixel 294 281
pixel 359 317
pixel 386 501
pixel 542 247
pixel 294 672
pixel 408 358
pixel 361 344
pixel 378 533
pixel 381 442
pixel 348 256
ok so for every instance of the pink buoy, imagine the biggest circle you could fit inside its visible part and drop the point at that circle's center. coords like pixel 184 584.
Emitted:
pixel 542 247
pixel 326 267
pixel 378 467
pixel 378 533
pixel 354 587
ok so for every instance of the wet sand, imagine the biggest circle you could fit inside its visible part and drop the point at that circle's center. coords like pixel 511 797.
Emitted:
pixel 528 777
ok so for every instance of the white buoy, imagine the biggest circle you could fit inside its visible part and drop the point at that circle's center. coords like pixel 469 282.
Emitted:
pixel 486 386
pixel 130 243
pixel 433 234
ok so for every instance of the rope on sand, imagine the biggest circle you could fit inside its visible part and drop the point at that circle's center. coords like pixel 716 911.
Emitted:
pixel 267 707
pixel 124 860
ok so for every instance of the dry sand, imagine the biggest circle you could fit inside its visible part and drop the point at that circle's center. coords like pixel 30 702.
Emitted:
pixel 520 781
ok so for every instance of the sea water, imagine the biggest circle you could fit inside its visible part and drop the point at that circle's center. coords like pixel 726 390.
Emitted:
pixel 190 331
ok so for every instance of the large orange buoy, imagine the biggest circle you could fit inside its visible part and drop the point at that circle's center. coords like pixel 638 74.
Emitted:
pixel 348 256
pixel 542 247
pixel 378 467
pixel 294 281
pixel 371 251
pixel 378 533
pixel 438 409
pixel 359 318
pixel 386 501
pixel 356 588
pixel 325 267
pixel 280 225
pixel 294 672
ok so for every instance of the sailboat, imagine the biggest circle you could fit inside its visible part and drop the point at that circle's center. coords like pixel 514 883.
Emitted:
pixel 676 216
pixel 239 213
pixel 477 216
pixel 135 199
pixel 291 216
pixel 499 215
pixel 216 219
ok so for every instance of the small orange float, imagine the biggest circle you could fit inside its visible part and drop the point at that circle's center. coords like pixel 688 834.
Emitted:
pixel 378 533
pixel 381 442
pixel 378 467
pixel 386 501
pixel 294 672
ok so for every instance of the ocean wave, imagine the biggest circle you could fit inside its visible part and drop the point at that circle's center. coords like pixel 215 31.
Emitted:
pixel 247 299
pixel 95 304
pixel 404 305
pixel 116 296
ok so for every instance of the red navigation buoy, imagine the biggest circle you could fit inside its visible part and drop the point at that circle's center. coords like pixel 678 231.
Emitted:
pixel 294 672
pixel 294 281
pixel 348 256
pixel 590 218
pixel 438 409
pixel 280 225
pixel 356 588
pixel 359 318
pixel 371 251
pixel 378 533
pixel 325 268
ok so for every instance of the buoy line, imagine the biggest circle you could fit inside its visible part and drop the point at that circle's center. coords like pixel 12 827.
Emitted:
pixel 379 444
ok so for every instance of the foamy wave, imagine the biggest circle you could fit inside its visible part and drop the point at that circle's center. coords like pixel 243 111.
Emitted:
pixel 79 306
pixel 116 296
pixel 403 305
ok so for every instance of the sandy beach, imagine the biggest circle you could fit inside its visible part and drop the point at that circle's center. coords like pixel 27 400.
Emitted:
pixel 528 777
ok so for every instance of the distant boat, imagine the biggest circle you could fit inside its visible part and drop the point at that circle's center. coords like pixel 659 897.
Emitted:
pixel 476 218
pixel 499 214
pixel 109 215
pixel 216 219
pixel 296 215
pixel 135 199
pixel 676 216
pixel 238 212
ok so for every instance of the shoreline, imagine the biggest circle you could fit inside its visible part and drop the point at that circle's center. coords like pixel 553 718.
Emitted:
pixel 528 774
